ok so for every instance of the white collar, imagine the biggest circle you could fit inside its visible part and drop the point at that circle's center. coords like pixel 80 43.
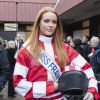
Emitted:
pixel 45 39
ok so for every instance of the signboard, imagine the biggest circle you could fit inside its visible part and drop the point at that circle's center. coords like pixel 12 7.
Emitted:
pixel 10 26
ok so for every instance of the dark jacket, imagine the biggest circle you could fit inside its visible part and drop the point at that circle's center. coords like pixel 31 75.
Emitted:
pixel 86 50
pixel 4 67
pixel 20 44
pixel 10 55
pixel 95 60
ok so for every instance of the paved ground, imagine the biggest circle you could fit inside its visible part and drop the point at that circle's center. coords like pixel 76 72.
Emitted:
pixel 4 95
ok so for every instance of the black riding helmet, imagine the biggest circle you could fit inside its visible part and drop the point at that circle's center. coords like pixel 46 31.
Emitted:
pixel 73 82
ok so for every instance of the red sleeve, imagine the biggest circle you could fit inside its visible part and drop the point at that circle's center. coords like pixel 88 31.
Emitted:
pixel 76 60
pixel 26 88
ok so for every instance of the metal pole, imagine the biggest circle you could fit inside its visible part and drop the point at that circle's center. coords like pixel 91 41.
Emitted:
pixel 56 4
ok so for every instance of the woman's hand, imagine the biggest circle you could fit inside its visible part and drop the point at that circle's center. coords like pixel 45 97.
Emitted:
pixel 90 55
pixel 88 96
pixel 56 85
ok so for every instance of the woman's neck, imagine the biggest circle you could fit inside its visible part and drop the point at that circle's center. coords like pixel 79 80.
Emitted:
pixel 43 38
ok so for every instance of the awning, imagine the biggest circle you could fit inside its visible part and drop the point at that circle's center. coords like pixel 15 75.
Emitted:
pixel 71 12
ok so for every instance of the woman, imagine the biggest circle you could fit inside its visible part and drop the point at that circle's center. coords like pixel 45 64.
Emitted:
pixel 43 58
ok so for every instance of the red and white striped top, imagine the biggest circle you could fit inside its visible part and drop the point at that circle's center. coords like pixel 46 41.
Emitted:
pixel 34 82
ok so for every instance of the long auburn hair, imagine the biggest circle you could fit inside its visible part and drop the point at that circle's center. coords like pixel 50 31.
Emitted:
pixel 33 40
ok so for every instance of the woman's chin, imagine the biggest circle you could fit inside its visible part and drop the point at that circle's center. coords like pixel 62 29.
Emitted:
pixel 49 35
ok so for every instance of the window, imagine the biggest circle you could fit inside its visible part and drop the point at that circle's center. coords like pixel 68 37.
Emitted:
pixel 10 26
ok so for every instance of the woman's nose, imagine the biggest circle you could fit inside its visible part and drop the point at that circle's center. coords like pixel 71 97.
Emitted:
pixel 51 24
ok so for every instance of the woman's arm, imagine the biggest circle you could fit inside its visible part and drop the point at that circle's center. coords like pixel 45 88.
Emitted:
pixel 76 60
pixel 27 88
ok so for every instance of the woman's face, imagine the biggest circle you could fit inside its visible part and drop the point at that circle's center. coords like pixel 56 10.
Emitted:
pixel 48 24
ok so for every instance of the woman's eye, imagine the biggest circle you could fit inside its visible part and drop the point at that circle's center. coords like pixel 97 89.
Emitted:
pixel 46 21
pixel 55 22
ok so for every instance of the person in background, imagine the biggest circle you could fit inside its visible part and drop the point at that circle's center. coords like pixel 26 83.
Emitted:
pixel 4 66
pixel 95 43
pixel 86 48
pixel 44 57
pixel 95 58
pixel 69 38
pixel 78 45
pixel 10 54
pixel 18 44
pixel 70 41
pixel 5 43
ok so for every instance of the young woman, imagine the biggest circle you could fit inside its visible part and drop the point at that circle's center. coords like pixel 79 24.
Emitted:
pixel 43 58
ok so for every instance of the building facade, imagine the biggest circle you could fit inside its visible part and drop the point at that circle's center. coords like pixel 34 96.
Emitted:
pixel 17 16
pixel 79 17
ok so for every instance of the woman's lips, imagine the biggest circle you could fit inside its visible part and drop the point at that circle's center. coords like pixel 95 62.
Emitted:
pixel 49 30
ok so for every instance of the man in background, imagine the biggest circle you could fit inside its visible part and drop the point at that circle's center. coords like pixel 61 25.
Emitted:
pixel 4 66
pixel 18 44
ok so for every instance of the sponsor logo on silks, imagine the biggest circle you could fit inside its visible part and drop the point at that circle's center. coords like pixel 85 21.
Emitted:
pixel 50 65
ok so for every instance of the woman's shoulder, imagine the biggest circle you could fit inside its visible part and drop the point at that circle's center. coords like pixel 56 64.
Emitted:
pixel 24 49
pixel 66 46
pixel 23 52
